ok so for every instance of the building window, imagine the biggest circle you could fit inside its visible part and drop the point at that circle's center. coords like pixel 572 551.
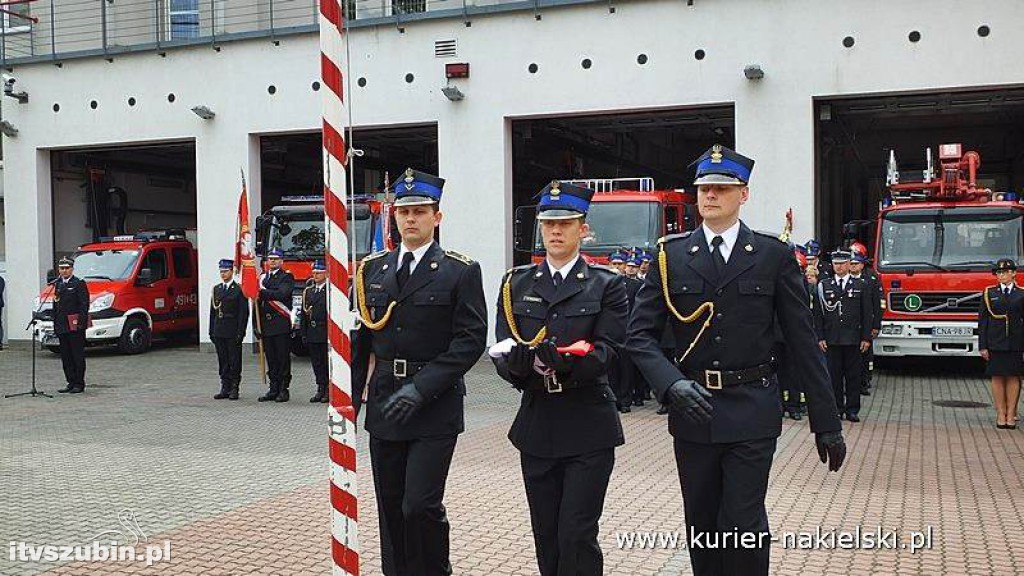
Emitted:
pixel 184 19
pixel 19 23
pixel 408 6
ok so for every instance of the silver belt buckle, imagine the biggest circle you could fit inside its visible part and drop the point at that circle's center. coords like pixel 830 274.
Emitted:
pixel 713 379
pixel 400 368
pixel 552 384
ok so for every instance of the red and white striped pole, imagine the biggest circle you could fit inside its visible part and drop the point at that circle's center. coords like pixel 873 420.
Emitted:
pixel 341 413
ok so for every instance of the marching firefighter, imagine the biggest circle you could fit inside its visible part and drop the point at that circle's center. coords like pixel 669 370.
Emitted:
pixel 314 328
pixel 567 428
pixel 70 320
pixel 1001 341
pixel 873 286
pixel 843 323
pixel 721 288
pixel 424 317
pixel 229 318
pixel 275 326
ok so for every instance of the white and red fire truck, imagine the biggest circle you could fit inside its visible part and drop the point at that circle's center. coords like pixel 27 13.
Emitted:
pixel 936 241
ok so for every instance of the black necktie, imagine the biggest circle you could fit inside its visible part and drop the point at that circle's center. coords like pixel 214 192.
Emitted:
pixel 403 272
pixel 557 278
pixel 716 253
pixel 1006 290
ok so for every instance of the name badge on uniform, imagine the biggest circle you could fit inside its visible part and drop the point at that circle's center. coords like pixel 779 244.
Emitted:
pixel 532 299
pixel 376 286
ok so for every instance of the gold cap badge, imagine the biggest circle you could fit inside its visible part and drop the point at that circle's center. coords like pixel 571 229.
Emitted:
pixel 716 154
pixel 554 188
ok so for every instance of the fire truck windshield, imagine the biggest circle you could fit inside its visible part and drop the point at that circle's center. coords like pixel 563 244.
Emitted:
pixel 962 238
pixel 105 264
pixel 618 225
pixel 303 238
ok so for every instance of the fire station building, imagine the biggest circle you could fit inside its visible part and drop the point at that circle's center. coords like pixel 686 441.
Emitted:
pixel 138 115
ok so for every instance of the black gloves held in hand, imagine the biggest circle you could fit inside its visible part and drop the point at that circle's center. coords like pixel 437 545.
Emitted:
pixel 689 400
pixel 520 361
pixel 549 356
pixel 402 404
pixel 831 449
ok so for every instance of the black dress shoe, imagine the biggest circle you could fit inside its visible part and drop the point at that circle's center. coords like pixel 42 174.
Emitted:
pixel 638 402
pixel 324 399
pixel 65 389
pixel 853 418
pixel 663 409
pixel 221 395
pixel 77 390
pixel 315 399
pixel 282 396
pixel 268 397
pixel 865 392
pixel 794 415
pixel 625 409
pixel 233 394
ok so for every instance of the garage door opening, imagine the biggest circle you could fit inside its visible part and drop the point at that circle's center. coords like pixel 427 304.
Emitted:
pixel 653 149
pixel 128 216
pixel 100 192
pixel 854 137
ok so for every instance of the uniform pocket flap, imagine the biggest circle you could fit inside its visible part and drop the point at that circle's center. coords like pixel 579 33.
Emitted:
pixel 690 286
pixel 583 308
pixel 530 309
pixel 757 287
pixel 377 298
pixel 432 298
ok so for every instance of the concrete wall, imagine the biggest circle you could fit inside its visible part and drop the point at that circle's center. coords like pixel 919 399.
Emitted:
pixel 798 43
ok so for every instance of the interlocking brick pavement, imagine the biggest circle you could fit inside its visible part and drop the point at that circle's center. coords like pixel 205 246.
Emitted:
pixel 241 487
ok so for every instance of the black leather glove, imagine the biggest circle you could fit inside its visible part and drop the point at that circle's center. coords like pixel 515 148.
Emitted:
pixel 831 449
pixel 689 400
pixel 549 356
pixel 520 361
pixel 402 404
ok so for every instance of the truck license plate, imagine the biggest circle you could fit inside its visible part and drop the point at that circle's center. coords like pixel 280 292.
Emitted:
pixel 953 331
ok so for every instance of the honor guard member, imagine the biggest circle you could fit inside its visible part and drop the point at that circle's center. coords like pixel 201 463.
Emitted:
pixel 617 261
pixel 70 320
pixel 859 269
pixel 424 317
pixel 1001 341
pixel 275 326
pixel 567 426
pixel 314 328
pixel 645 264
pixel 632 381
pixel 229 318
pixel 843 324
pixel 722 287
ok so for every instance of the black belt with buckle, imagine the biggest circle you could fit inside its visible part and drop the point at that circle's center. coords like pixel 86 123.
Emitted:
pixel 399 368
pixel 554 385
pixel 716 379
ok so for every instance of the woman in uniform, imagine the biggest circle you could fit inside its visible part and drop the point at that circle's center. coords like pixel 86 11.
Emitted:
pixel 1001 341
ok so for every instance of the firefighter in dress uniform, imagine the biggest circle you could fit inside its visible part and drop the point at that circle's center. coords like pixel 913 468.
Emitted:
pixel 229 318
pixel 314 328
pixel 567 427
pixel 722 288
pixel 1001 341
pixel 275 301
pixel 859 269
pixel 424 318
pixel 843 321
pixel 632 381
pixel 70 320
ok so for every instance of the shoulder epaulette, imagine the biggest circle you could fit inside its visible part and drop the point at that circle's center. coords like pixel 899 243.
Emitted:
pixel 602 267
pixel 375 255
pixel 672 237
pixel 522 268
pixel 772 235
pixel 453 254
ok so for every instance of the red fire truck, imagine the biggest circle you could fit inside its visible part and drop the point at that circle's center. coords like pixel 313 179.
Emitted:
pixel 141 286
pixel 937 239
pixel 297 229
pixel 627 213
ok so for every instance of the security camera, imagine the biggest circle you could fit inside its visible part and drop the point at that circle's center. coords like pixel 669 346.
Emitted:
pixel 9 81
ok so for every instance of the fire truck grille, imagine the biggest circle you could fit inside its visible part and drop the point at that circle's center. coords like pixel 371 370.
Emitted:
pixel 935 302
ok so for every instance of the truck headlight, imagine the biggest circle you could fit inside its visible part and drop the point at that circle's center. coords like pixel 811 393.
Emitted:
pixel 101 302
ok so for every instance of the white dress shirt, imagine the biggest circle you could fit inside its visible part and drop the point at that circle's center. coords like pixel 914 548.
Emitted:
pixel 417 255
pixel 564 269
pixel 729 237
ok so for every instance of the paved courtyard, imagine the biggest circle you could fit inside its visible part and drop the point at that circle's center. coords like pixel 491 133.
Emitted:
pixel 241 487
